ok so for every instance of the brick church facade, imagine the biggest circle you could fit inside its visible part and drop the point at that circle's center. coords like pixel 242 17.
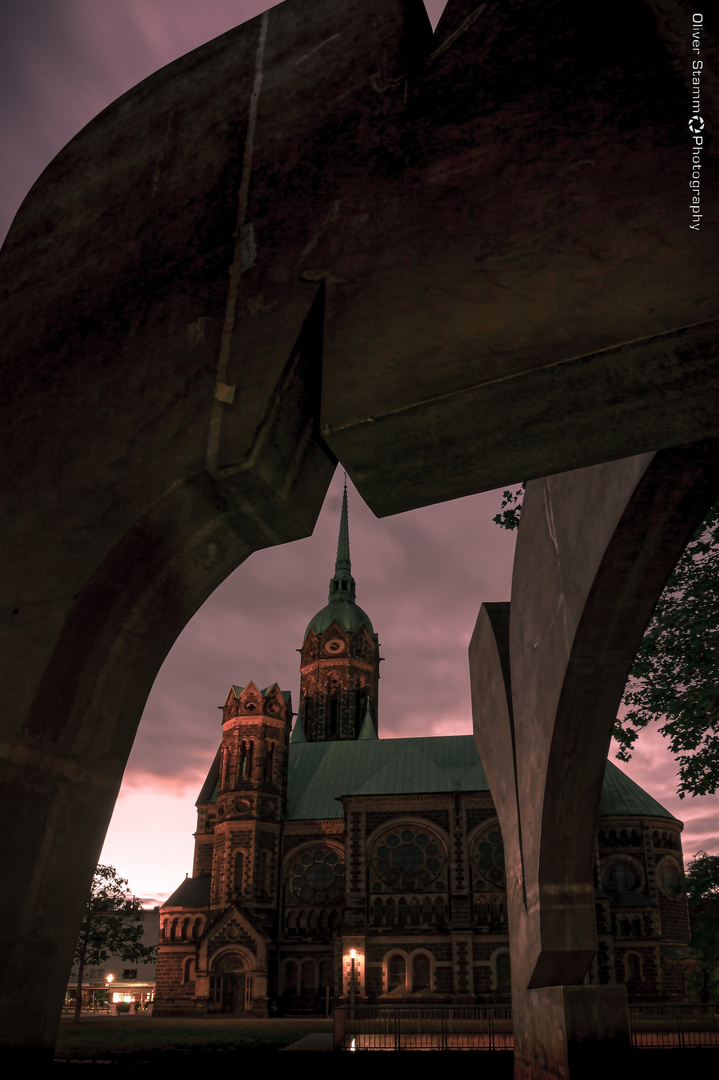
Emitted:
pixel 325 839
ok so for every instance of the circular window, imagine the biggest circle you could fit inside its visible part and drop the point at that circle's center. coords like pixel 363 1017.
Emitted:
pixel 408 859
pixel 317 877
pixel 488 860
pixel 669 877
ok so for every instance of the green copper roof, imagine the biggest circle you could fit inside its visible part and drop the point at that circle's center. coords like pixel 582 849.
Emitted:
pixel 237 691
pixel 321 773
pixel 341 607
pixel 350 617
pixel 621 797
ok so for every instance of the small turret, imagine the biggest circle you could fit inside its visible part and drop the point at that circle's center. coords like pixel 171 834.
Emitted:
pixel 251 796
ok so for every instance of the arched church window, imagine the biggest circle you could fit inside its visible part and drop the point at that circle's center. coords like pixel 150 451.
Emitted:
pixel 632 968
pixel 504 977
pixel 317 876
pixel 360 703
pixel 333 688
pixel 266 871
pixel 308 975
pixel 421 972
pixel 269 759
pixel 396 972
pixel 239 871
pixel 487 860
pixel 246 755
pixel 621 875
pixel 410 859
pixel 291 975
pixel 326 974
pixel 669 877
pixel 309 713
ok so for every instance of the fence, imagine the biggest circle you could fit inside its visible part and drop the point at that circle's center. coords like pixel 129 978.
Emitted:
pixel 423 1027
pixel 674 1026
pixel 485 1027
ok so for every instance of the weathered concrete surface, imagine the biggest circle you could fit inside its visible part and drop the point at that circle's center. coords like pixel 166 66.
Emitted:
pixel 594 550
pixel 511 289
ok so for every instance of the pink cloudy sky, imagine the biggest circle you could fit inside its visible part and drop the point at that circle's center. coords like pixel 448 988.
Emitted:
pixel 420 576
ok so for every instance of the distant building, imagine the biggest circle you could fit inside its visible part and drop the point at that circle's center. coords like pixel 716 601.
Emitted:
pixel 118 981
pixel 335 840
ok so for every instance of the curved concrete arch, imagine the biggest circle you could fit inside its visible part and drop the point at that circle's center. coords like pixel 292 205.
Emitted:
pixel 63 767
pixel 165 321
pixel 594 551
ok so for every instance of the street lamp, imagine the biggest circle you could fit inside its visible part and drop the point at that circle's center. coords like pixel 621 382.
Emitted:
pixel 353 954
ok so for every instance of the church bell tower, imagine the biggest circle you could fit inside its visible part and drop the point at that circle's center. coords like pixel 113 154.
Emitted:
pixel 339 668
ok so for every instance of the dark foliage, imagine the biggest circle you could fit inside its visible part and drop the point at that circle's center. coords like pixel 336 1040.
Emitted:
pixel 702 881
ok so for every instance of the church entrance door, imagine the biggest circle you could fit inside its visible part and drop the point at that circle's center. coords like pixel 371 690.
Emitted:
pixel 231 985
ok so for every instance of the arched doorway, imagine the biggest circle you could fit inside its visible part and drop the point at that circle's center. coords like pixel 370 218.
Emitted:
pixel 230 984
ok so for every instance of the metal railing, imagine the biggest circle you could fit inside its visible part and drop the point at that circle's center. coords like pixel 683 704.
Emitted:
pixel 423 1027
pixel 487 1027
pixel 674 1026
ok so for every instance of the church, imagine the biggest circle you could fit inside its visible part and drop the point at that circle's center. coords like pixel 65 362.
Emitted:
pixel 325 854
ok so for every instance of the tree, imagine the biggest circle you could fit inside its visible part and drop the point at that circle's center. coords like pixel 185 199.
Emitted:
pixel 111 926
pixel 702 882
pixel 674 680
pixel 511 509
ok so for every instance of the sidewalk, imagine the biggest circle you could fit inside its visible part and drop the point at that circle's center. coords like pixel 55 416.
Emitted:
pixel 320 1040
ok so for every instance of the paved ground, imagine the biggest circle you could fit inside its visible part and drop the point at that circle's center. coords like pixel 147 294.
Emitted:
pixel 317 1041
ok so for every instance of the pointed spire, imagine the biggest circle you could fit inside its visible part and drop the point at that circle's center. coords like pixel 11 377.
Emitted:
pixel 342 561
pixel 298 732
pixel 367 731
pixel 342 585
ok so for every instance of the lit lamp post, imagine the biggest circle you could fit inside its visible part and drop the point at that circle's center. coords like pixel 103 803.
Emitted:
pixel 353 954
pixel 108 980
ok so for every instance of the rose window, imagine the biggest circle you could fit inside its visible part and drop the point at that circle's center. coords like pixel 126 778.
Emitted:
pixel 318 877
pixel 409 859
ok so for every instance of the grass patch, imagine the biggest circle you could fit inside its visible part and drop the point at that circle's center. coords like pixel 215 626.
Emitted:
pixel 106 1037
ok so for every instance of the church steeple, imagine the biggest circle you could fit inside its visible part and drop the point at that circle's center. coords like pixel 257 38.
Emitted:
pixel 340 657
pixel 342 585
